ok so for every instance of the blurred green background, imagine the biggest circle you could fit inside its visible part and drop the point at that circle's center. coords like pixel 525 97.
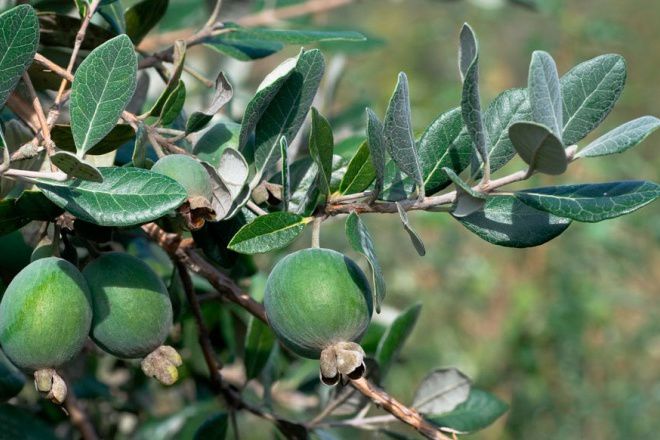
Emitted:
pixel 568 333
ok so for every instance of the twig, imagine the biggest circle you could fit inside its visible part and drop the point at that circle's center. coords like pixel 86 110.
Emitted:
pixel 316 231
pixel 271 16
pixel 79 417
pixel 407 415
pixel 41 117
pixel 215 14
pixel 255 208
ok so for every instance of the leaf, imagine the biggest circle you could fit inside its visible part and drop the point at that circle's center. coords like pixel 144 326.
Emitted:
pixel 321 144
pixel 589 91
pixel 445 143
pixel 359 173
pixel 259 342
pixel 268 232
pixel 233 170
pixel 29 206
pixel 544 94
pixel 12 380
pixel 102 88
pixel 479 411
pixel 538 147
pixel 304 186
pixel 247 44
pixel 397 130
pixel 118 136
pixel 416 240
pixel 377 148
pixel 18 423
pixel 287 110
pixel 468 200
pixel 215 140
pixel 361 241
pixel 173 104
pixel 60 31
pixel 266 91
pixel 75 167
pixel 592 202
pixel 442 391
pixel 621 138
pixel 126 197
pixel 178 61
pixel 139 157
pixel 507 108
pixel 223 94
pixel 470 100
pixel 18 44
pixel 506 221
pixel 142 17
pixel 395 336
pixel 213 428
pixel 113 13
pixel 286 182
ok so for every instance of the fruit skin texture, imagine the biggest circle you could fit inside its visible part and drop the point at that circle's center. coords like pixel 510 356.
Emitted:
pixel 132 309
pixel 45 314
pixel 315 298
pixel 188 172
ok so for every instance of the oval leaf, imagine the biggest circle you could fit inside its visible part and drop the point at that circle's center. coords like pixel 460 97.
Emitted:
pixel 441 391
pixel 102 88
pixel 414 238
pixel 75 167
pixel 118 136
pixel 506 221
pixel 621 138
pixel 259 342
pixel 544 93
pixel 377 148
pixel 395 336
pixel 538 147
pixel 268 232
pixel 592 202
pixel 360 172
pixel 30 205
pixel 321 144
pixel 126 197
pixel 479 411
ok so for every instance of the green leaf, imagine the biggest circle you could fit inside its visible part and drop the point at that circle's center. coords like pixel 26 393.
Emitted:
pixel 442 391
pixel 223 94
pixel 139 156
pixel 178 61
pixel 213 428
pixel 102 88
pixel 508 107
pixel 445 143
pixel 126 197
pixel 75 167
pixel 397 130
pixel 544 93
pixel 359 173
pixel 56 30
pixel 539 147
pixel 113 13
pixel 361 241
pixel 506 221
pixel 395 336
pixel 304 186
pixel 266 91
pixel 286 182
pixel 259 342
pixel 12 380
pixel 470 101
pixel 247 44
pixel 468 200
pixel 18 423
pixel 376 144
pixel 416 240
pixel 268 232
pixel 118 136
pixel 29 206
pixel 592 202
pixel 173 104
pixel 321 144
pixel 621 138
pixel 18 44
pixel 142 17
pixel 589 91
pixel 215 140
pixel 287 110
pixel 479 411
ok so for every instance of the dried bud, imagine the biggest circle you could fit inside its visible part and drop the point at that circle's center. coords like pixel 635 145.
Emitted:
pixel 48 382
pixel 329 373
pixel 162 364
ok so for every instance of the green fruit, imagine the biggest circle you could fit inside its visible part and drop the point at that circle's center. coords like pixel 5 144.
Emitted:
pixel 45 314
pixel 188 172
pixel 132 308
pixel 316 298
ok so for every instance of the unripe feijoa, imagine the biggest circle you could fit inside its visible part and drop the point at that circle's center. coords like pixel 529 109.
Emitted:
pixel 188 172
pixel 45 314
pixel 316 298
pixel 132 309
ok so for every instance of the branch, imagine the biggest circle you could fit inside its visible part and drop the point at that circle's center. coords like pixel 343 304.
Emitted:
pixel 271 16
pixel 79 417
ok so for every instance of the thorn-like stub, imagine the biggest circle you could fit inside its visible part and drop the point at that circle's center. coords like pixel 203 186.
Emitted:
pixel 51 385
pixel 342 359
pixel 162 364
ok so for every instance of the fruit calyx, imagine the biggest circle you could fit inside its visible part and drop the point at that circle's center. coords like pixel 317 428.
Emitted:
pixel 342 359
pixel 162 364
pixel 51 385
